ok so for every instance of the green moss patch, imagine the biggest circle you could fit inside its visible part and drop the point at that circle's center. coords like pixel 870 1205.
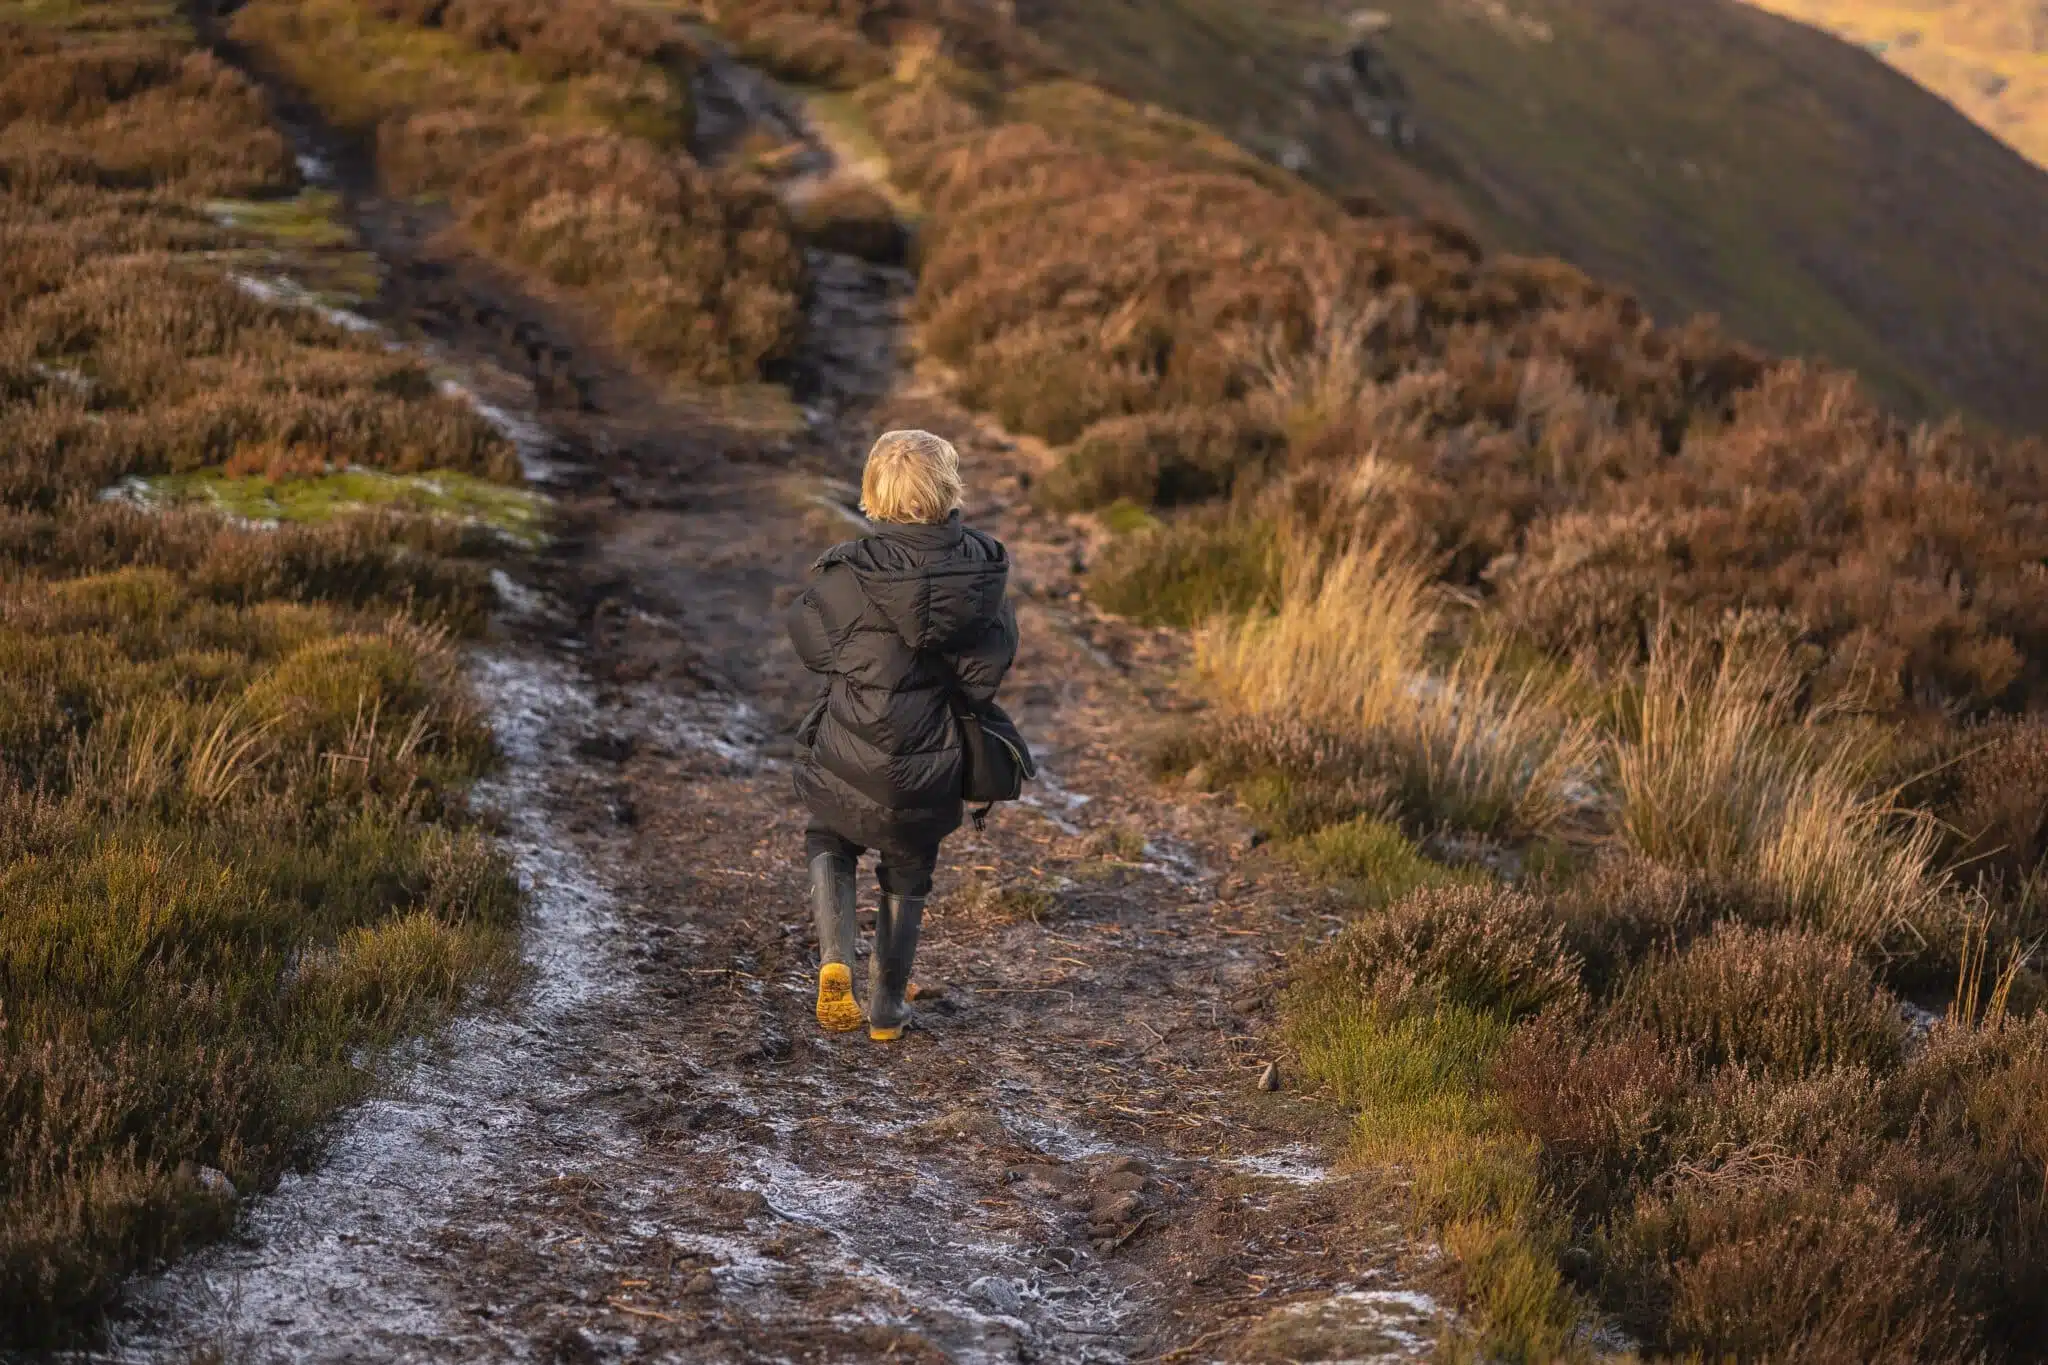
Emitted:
pixel 517 514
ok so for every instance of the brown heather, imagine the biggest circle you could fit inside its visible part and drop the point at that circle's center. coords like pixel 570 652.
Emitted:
pixel 695 268
pixel 1786 1001
pixel 1750 1269
pixel 1186 322
pixel 556 133
pixel 1487 948
pixel 130 113
pixel 235 856
pixel 1473 543
pixel 1475 546
pixel 845 42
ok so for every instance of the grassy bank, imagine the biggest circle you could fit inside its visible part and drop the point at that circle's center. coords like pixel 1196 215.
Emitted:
pixel 1659 701
pixel 556 136
pixel 235 856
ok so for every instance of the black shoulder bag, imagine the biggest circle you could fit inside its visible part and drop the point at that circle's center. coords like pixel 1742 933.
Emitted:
pixel 997 760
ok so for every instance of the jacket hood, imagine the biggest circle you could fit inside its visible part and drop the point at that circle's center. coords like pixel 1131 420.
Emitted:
pixel 939 586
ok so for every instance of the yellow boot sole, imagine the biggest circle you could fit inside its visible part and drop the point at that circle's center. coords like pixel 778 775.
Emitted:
pixel 838 1011
pixel 890 1035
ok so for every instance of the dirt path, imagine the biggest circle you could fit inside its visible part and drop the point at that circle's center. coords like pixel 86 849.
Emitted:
pixel 654 1153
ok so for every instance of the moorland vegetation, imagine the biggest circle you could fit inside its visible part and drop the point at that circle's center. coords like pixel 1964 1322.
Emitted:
pixel 1667 707
pixel 556 138
pixel 236 855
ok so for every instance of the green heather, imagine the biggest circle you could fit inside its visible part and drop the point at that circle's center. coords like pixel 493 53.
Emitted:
pixel 517 514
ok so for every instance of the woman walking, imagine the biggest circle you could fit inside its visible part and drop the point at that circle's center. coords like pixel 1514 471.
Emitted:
pixel 906 625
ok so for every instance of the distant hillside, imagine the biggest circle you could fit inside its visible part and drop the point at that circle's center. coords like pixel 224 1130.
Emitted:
pixel 1989 58
pixel 1714 157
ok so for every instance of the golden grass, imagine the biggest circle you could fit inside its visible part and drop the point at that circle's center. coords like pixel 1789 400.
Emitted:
pixel 1348 650
pixel 1717 769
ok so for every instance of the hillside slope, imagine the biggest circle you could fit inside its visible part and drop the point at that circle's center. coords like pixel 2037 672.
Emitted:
pixel 1713 157
pixel 1989 58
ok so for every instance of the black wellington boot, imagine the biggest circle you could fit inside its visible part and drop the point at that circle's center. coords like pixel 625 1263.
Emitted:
pixel 832 897
pixel 896 928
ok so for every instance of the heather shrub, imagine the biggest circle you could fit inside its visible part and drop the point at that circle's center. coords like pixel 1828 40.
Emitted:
pixel 1901 551
pixel 594 65
pixel 1625 909
pixel 1482 947
pixel 1764 1267
pixel 1787 1001
pixel 964 31
pixel 1297 778
pixel 807 50
pixel 558 40
pixel 1971 1114
pixel 131 113
pixel 696 271
pixel 1603 1107
pixel 1161 457
pixel 1993 800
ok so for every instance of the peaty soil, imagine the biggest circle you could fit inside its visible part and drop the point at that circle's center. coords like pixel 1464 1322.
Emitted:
pixel 653 1152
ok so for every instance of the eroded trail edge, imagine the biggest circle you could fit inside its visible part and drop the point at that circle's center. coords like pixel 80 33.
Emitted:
pixel 652 1153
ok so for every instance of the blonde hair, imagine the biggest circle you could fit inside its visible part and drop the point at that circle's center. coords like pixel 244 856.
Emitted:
pixel 912 476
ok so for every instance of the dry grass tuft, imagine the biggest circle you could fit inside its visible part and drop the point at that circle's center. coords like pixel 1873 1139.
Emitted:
pixel 1717 769
pixel 1346 651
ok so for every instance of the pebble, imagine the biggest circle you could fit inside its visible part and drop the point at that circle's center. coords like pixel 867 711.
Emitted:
pixel 213 1182
pixel 999 1294
pixel 967 1123
pixel 1114 1207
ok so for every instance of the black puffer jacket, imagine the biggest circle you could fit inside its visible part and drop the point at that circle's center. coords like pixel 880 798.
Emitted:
pixel 900 622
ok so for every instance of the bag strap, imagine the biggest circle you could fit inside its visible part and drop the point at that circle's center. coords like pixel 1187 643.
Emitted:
pixel 980 817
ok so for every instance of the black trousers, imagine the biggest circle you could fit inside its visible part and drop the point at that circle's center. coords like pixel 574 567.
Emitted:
pixel 900 871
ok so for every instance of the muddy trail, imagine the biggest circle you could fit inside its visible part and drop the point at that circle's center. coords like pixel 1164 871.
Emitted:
pixel 652 1152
